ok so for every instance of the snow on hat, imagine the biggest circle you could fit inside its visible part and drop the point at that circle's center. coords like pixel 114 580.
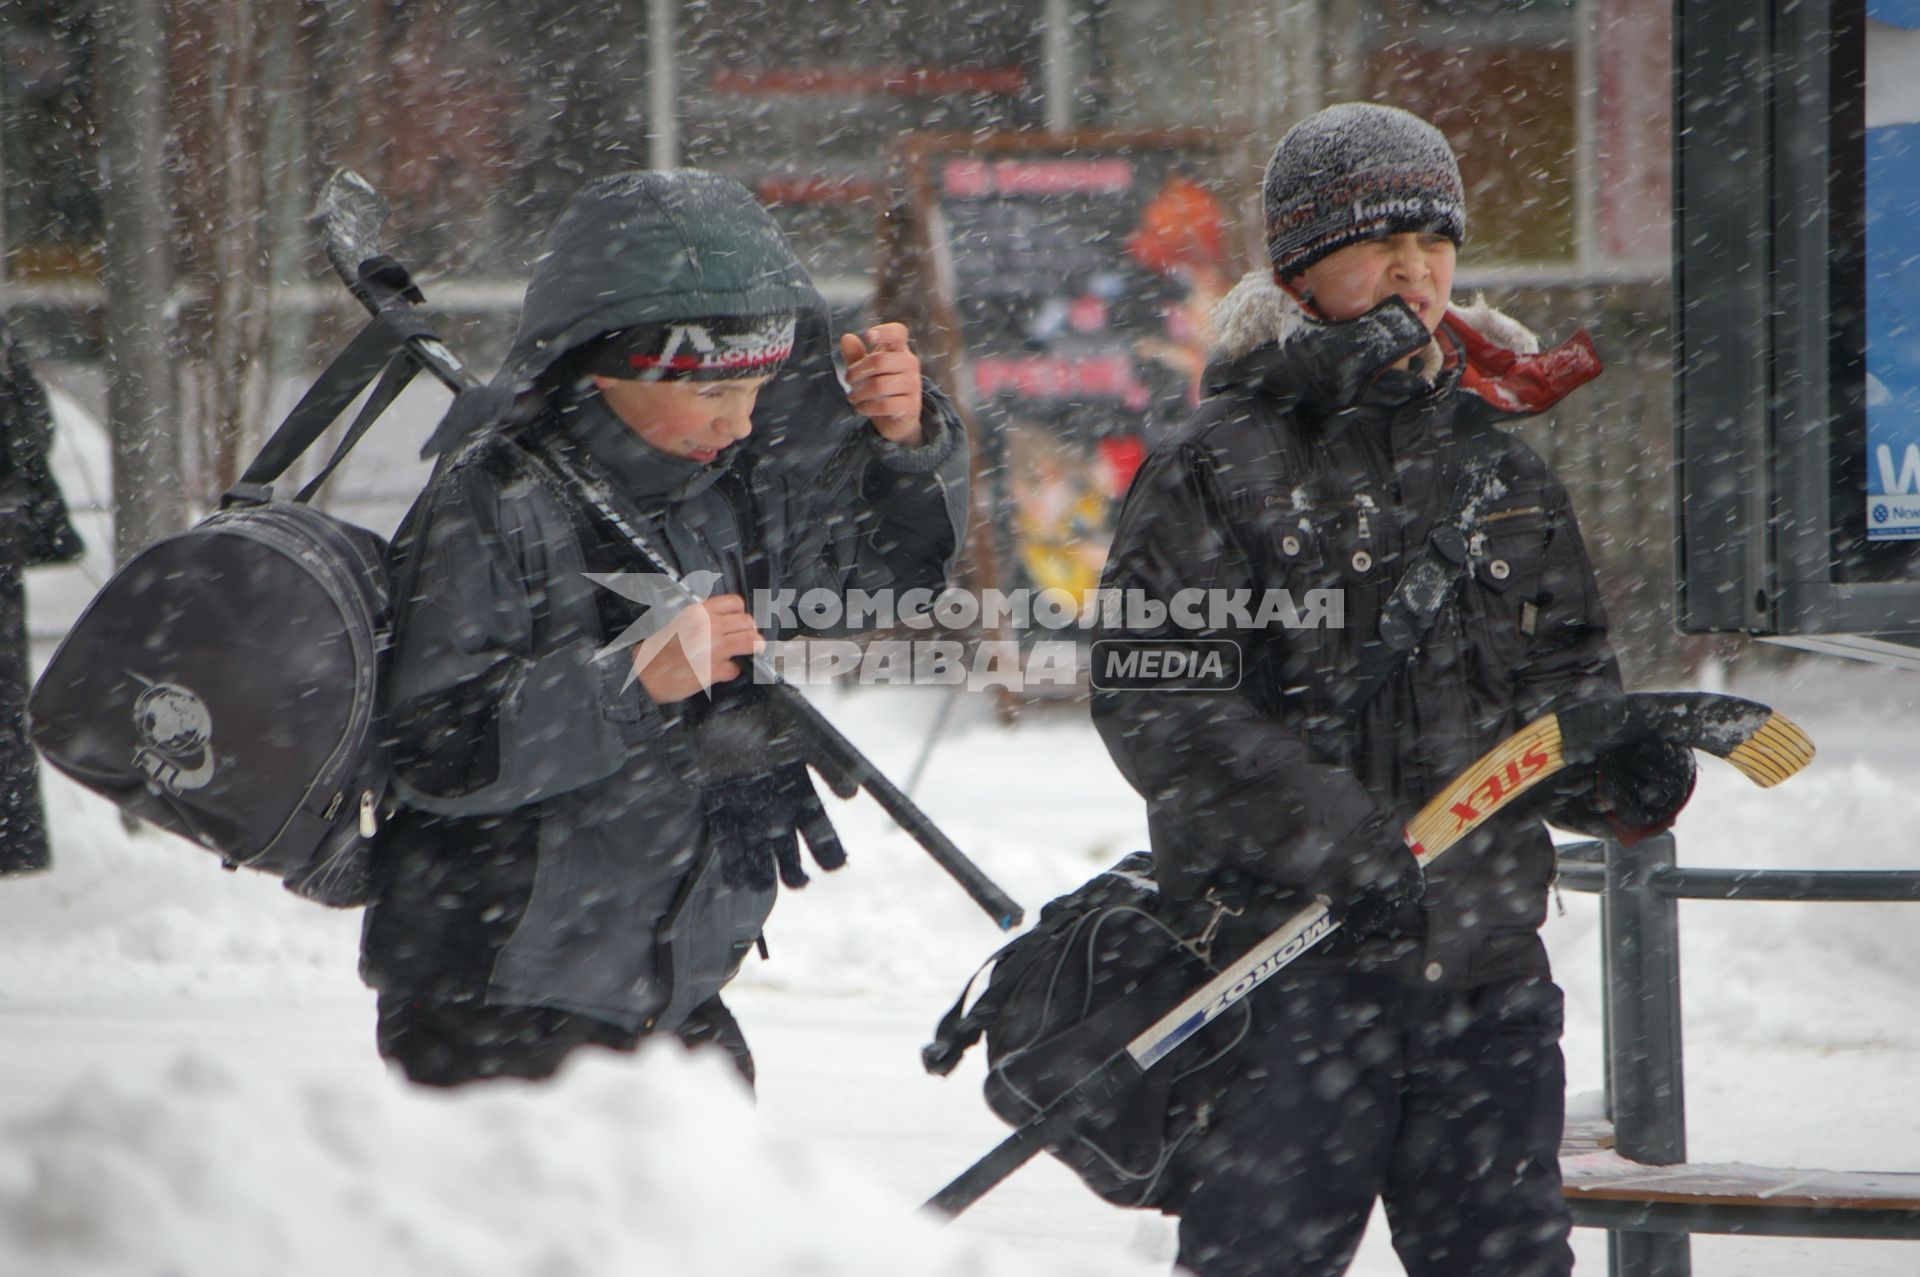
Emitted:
pixel 1352 172
pixel 707 349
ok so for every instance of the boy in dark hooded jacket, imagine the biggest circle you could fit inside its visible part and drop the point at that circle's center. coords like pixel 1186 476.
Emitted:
pixel 1415 1056
pixel 595 806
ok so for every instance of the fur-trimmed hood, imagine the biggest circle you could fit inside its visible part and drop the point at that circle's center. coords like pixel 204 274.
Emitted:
pixel 1501 358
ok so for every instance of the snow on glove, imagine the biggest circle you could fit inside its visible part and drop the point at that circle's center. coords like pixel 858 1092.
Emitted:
pixel 1369 886
pixel 1640 788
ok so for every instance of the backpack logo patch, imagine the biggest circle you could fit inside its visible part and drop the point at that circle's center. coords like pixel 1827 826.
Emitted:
pixel 176 731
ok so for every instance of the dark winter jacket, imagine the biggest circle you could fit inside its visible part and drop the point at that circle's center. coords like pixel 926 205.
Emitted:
pixel 34 524
pixel 555 845
pixel 34 529
pixel 1315 465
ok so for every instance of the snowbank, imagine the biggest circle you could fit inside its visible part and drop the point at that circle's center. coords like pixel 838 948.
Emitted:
pixel 649 1166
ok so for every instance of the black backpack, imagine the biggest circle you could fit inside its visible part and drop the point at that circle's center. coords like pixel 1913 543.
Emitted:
pixel 222 684
pixel 1101 964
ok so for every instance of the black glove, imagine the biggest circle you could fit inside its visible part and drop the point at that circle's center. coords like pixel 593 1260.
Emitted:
pixel 758 822
pixel 1639 789
pixel 1372 879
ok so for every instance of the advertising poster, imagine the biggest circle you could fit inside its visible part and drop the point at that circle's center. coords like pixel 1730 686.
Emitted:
pixel 1079 277
pixel 1893 270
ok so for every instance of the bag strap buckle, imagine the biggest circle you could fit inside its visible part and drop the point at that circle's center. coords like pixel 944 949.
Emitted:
pixel 1202 944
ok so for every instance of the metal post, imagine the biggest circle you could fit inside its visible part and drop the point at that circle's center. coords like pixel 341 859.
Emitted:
pixel 663 86
pixel 1060 78
pixel 1586 138
pixel 1646 1096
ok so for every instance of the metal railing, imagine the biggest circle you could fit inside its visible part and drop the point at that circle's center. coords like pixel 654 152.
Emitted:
pixel 1640 888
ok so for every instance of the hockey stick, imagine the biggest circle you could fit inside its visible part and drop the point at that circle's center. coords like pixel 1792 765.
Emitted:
pixel 351 217
pixel 1766 748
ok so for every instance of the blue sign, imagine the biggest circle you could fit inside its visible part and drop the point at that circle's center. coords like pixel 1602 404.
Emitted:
pixel 1893 271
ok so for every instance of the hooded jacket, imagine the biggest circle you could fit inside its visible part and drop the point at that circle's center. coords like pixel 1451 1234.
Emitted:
pixel 554 846
pixel 35 527
pixel 1314 465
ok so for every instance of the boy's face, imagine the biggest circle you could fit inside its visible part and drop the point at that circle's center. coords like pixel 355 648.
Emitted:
pixel 1415 266
pixel 695 420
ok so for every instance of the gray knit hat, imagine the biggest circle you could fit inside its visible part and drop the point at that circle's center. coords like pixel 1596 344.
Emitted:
pixel 1354 171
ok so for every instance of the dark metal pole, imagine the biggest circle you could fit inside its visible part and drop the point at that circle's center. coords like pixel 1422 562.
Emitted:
pixel 947 703
pixel 1646 1094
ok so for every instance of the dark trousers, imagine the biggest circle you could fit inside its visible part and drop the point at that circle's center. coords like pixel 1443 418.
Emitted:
pixel 454 1041
pixel 23 823
pixel 1447 1105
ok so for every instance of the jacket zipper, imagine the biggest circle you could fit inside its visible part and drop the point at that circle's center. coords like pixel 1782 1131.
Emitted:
pixel 1367 508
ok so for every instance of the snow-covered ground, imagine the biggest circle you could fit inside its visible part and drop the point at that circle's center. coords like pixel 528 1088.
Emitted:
pixel 188 1085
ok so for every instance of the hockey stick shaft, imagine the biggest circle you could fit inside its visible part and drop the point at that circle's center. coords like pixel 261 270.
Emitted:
pixel 351 216
pixel 841 752
pixel 1763 745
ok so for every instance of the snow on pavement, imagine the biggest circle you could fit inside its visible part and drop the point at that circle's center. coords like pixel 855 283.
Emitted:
pixel 188 1086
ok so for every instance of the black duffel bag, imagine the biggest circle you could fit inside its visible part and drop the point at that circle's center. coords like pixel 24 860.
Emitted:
pixel 224 683
pixel 1101 964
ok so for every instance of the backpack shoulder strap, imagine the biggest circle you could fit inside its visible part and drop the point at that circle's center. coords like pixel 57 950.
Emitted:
pixel 381 344
pixel 585 495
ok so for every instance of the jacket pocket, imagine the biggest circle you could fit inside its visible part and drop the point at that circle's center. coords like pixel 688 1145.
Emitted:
pixel 1335 561
pixel 1506 558
pixel 704 936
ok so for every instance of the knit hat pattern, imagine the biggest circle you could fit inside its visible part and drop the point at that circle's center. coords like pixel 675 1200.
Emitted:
pixel 1355 171
pixel 715 348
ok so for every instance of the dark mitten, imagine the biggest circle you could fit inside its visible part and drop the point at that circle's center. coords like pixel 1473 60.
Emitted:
pixel 1373 879
pixel 1639 789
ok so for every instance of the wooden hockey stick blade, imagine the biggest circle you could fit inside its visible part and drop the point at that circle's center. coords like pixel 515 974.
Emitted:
pixel 1774 752
pixel 1766 746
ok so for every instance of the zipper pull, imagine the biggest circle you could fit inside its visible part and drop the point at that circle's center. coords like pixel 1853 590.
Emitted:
pixel 369 815
pixel 1367 507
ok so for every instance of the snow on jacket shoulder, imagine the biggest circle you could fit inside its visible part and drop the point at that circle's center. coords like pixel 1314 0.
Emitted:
pixel 1316 469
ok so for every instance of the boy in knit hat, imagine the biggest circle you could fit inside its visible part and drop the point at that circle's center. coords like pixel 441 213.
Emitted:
pixel 595 806
pixel 1414 1057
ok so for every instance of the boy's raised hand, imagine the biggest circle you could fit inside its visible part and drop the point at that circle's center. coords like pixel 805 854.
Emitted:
pixel 699 647
pixel 883 382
